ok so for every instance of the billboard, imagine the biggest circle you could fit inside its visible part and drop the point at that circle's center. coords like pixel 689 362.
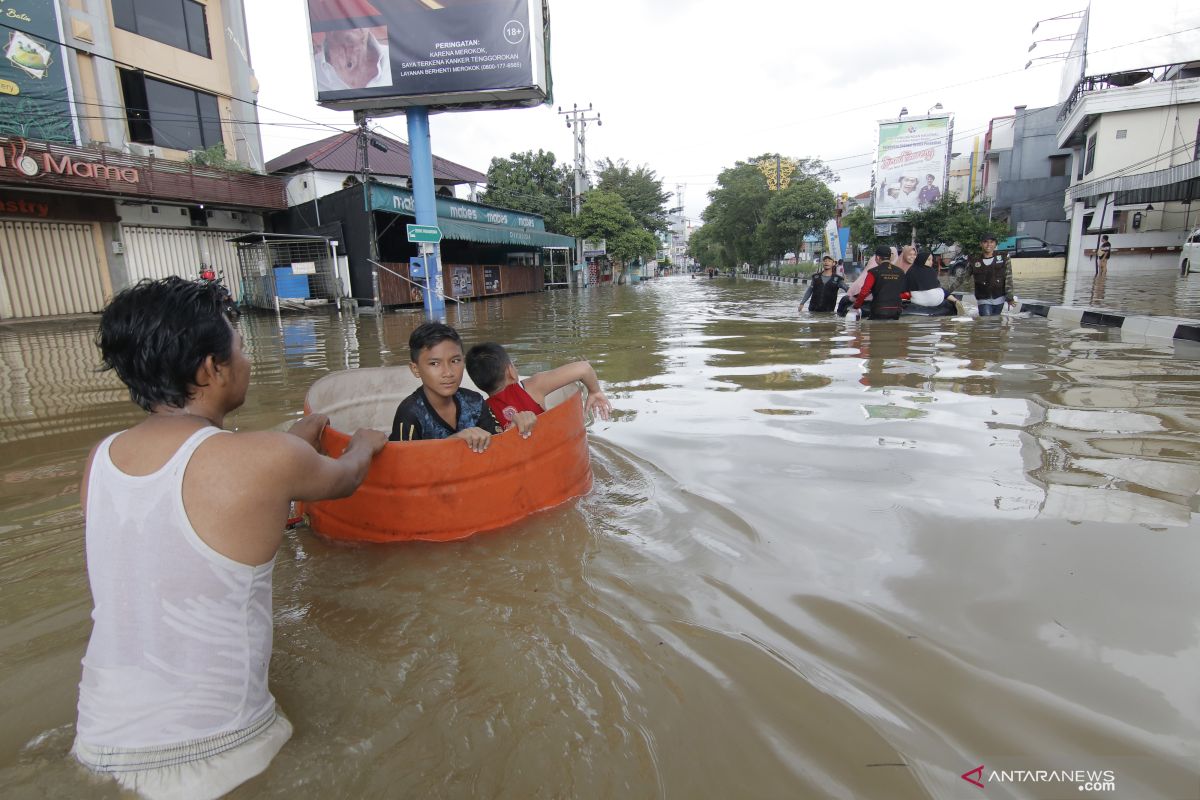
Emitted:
pixel 33 74
pixel 911 164
pixel 443 54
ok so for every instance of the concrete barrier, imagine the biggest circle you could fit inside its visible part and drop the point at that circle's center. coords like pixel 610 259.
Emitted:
pixel 1179 328
pixel 1038 267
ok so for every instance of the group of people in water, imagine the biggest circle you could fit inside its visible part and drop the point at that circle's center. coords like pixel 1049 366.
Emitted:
pixel 183 520
pixel 907 281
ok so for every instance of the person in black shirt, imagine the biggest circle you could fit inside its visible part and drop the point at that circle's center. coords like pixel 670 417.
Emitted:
pixel 823 287
pixel 440 408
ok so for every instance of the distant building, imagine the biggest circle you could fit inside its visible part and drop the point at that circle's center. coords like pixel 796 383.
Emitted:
pixel 1025 173
pixel 110 167
pixel 485 250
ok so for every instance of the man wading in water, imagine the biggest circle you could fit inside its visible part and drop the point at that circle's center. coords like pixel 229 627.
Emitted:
pixel 182 523
pixel 823 288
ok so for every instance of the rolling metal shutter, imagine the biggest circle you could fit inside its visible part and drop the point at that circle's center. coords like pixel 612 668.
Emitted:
pixel 158 252
pixel 49 268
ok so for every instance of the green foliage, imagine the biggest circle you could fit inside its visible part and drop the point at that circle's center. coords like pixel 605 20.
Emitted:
pixel 706 250
pixel 862 227
pixel 950 220
pixel 217 158
pixel 605 216
pixel 746 222
pixel 800 210
pixel 532 182
pixel 640 188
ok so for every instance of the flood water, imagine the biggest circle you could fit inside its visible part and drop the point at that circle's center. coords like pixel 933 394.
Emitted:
pixel 819 560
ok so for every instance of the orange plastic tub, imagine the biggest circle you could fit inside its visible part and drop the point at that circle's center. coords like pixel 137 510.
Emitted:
pixel 441 490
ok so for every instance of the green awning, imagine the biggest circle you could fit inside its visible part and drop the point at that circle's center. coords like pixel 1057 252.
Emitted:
pixel 495 234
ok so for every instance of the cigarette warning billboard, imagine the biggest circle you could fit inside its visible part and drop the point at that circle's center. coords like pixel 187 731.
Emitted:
pixel 910 167
pixel 444 54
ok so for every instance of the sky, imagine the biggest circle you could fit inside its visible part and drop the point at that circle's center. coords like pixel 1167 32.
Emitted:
pixel 689 87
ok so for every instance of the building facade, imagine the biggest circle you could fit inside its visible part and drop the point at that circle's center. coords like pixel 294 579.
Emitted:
pixel 1025 173
pixel 1135 165
pixel 145 164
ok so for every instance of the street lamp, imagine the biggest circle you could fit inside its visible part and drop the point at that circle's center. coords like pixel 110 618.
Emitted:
pixel 1072 15
pixel 934 107
pixel 903 111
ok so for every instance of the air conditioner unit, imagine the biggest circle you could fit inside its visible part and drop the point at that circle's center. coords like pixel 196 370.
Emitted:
pixel 145 150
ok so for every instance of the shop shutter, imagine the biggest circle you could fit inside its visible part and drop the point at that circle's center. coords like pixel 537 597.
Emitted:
pixel 159 252
pixel 49 268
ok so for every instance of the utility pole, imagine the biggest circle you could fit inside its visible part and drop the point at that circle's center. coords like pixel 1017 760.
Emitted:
pixel 682 222
pixel 577 120
pixel 364 161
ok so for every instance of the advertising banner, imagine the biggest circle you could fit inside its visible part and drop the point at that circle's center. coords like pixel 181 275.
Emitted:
pixel 33 74
pixel 444 54
pixel 911 165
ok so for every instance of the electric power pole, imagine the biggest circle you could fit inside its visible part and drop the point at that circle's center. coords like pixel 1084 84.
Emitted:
pixel 577 120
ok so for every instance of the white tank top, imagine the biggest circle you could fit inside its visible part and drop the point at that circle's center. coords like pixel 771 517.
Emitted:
pixel 182 634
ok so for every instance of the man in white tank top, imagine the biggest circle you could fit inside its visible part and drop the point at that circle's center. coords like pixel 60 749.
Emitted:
pixel 183 521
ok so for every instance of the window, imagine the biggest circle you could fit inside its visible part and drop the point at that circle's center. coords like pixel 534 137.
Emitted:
pixel 1121 134
pixel 1090 163
pixel 179 23
pixel 169 115
pixel 1058 166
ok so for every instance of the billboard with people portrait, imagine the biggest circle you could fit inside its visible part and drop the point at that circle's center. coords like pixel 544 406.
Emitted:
pixel 911 164
pixel 443 54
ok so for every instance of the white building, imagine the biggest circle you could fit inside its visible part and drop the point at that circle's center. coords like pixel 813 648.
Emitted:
pixel 1135 163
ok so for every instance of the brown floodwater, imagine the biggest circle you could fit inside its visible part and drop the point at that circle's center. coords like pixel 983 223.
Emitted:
pixel 819 560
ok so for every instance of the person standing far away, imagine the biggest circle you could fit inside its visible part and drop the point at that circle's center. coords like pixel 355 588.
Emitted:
pixel 182 523
pixel 992 275
pixel 1103 252
pixel 823 288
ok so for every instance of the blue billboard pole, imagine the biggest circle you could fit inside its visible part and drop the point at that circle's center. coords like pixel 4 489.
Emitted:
pixel 425 202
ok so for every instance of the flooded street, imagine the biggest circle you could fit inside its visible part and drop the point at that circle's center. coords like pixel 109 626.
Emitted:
pixel 819 560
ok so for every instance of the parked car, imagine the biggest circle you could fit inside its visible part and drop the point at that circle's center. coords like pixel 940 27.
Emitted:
pixel 1030 247
pixel 1189 258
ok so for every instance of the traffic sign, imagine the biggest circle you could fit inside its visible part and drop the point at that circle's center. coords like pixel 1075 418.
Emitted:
pixel 424 233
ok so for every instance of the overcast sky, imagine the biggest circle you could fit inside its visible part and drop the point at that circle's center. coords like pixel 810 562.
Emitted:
pixel 688 87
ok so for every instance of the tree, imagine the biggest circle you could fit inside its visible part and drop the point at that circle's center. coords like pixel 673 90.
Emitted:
pixel 640 188
pixel 950 220
pixel 800 210
pixel 605 216
pixel 862 227
pixel 532 182
pixel 737 215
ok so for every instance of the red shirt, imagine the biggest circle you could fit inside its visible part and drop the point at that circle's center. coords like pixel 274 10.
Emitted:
pixel 508 401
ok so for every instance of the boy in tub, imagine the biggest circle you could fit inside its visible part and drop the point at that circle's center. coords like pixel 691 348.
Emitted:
pixel 440 408
pixel 518 402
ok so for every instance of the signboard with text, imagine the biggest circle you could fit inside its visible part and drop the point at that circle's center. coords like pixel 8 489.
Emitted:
pixel 911 164
pixel 34 99
pixel 388 54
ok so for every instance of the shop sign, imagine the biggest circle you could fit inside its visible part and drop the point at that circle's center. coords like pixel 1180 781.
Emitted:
pixel 15 155
pixel 33 72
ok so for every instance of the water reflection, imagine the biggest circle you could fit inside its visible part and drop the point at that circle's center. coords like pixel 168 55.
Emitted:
pixel 816 555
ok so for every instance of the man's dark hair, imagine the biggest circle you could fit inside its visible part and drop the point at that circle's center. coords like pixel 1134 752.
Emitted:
pixel 486 364
pixel 156 334
pixel 883 251
pixel 429 335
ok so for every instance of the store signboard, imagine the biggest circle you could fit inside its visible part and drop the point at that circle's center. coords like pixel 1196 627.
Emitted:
pixel 465 54
pixel 34 94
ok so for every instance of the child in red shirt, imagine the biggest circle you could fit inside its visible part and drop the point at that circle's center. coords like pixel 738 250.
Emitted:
pixel 518 402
